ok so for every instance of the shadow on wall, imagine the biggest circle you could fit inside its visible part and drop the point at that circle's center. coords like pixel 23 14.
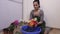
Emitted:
pixel 16 1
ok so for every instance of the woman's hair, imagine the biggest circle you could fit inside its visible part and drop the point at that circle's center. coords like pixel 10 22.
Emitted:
pixel 37 2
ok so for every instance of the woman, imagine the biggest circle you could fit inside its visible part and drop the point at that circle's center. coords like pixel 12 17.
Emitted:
pixel 38 13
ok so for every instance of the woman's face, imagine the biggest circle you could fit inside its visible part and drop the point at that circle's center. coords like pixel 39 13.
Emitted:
pixel 36 5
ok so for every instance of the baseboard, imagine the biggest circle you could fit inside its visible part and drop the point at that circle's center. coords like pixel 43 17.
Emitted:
pixel 53 27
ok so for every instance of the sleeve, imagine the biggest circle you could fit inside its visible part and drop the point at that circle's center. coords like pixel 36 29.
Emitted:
pixel 31 15
pixel 42 15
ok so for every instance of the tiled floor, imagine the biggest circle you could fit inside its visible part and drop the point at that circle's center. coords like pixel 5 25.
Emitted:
pixel 54 31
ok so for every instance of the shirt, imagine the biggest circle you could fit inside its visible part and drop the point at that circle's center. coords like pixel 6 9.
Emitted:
pixel 41 15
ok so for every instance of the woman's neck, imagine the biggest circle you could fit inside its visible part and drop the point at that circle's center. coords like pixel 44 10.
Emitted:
pixel 36 9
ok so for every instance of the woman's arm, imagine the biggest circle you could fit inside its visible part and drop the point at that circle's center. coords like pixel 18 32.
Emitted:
pixel 31 15
pixel 42 16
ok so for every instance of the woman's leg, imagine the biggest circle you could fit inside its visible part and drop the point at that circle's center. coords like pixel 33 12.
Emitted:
pixel 42 27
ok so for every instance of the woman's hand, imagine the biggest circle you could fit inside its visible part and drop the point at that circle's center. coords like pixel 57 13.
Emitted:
pixel 40 22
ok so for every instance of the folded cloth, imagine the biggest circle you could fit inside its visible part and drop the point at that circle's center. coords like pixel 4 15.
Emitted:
pixel 16 22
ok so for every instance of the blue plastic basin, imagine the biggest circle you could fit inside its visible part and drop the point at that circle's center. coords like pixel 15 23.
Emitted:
pixel 37 30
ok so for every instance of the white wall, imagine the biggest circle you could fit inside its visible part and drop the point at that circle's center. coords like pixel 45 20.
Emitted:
pixel 9 11
pixel 28 6
pixel 51 10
